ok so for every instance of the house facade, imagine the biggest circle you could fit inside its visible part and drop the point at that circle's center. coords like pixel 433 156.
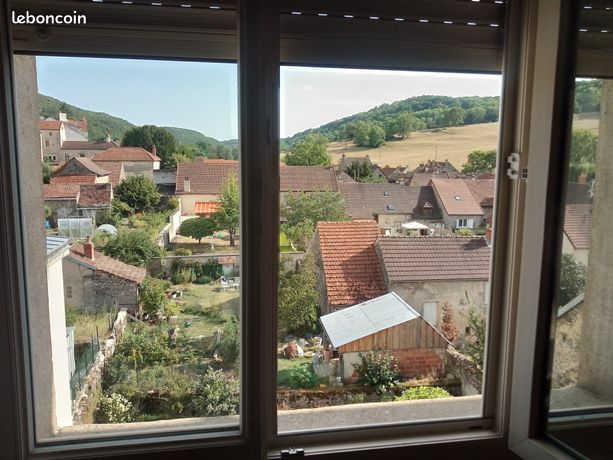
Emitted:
pixel 54 133
pixel 457 204
pixel 427 272
pixel 577 235
pixel 135 160
pixel 94 281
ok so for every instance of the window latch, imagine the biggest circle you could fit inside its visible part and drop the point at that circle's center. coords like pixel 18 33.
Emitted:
pixel 292 452
pixel 513 169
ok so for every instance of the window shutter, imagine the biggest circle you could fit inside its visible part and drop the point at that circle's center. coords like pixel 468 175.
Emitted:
pixel 470 223
pixel 595 56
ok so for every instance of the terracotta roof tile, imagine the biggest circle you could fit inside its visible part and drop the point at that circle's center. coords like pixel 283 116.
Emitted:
pixel 80 166
pixel 88 179
pixel 95 195
pixel 49 125
pixel 307 179
pixel 406 259
pixel 578 225
pixel 126 154
pixel 482 190
pixel 115 169
pixel 88 145
pixel 108 265
pixel 456 197
pixel 351 269
pixel 61 191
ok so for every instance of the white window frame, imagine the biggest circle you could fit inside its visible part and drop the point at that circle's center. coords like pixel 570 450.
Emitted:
pixel 533 26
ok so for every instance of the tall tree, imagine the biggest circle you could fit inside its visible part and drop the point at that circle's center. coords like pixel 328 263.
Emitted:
pixel 138 192
pixel 298 298
pixel 583 148
pixel 572 278
pixel 197 228
pixel 133 247
pixel 228 216
pixel 147 136
pixel 480 161
pixel 309 151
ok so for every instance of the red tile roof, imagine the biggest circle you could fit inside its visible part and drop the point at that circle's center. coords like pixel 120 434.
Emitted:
pixel 88 145
pixel 126 154
pixel 482 190
pixel 95 195
pixel 207 176
pixel 49 125
pixel 406 259
pixel 456 197
pixel 60 191
pixel 115 169
pixel 578 225
pixel 206 207
pixel 108 265
pixel 88 179
pixel 351 269
pixel 80 166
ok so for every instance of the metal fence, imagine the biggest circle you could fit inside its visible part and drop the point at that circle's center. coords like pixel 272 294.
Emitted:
pixel 83 366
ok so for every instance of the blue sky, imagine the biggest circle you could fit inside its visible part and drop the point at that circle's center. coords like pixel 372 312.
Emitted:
pixel 203 96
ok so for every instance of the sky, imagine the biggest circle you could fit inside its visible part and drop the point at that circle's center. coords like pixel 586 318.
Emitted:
pixel 203 96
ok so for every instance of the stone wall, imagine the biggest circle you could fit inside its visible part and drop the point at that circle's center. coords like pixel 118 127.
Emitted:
pixel 466 371
pixel 108 289
pixel 169 232
pixel 566 348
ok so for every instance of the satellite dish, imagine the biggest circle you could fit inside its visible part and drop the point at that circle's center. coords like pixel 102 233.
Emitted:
pixel 107 228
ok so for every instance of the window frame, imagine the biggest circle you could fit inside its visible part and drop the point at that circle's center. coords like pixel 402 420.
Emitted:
pixel 259 112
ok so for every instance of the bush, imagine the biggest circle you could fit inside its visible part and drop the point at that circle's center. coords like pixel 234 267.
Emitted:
pixel 153 296
pixel 184 275
pixel 145 346
pixel 379 371
pixel 203 280
pixel 216 394
pixel 132 247
pixel 183 252
pixel 107 216
pixel 139 192
pixel 302 377
pixel 212 269
pixel 423 393
pixel 229 347
pixel 114 409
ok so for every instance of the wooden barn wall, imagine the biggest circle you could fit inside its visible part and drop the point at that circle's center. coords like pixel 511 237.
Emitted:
pixel 416 334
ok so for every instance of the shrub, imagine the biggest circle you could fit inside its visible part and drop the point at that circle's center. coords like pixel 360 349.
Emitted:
pixel 379 371
pixel 139 192
pixel 474 343
pixel 183 252
pixel 302 377
pixel 184 275
pixel 145 346
pixel 132 247
pixel 114 409
pixel 203 280
pixel 572 278
pixel 216 394
pixel 107 216
pixel 229 347
pixel 212 269
pixel 153 296
pixel 121 208
pixel 298 298
pixel 423 393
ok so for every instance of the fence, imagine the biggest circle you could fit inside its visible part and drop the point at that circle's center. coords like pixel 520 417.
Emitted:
pixel 83 366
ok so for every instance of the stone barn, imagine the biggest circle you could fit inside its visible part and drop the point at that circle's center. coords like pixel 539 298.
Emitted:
pixel 387 324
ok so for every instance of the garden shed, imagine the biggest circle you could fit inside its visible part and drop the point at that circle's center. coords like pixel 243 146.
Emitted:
pixel 387 324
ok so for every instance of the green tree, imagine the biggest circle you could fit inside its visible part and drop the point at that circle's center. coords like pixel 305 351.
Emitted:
pixel 47 170
pixel 216 394
pixel 361 132
pixel 313 207
pixel 147 136
pixel 227 216
pixel 474 344
pixel 572 278
pixel 376 136
pixel 583 150
pixel 177 158
pixel 480 161
pixel 229 347
pixel 138 192
pixel 360 171
pixel 405 123
pixel 298 298
pixel 153 296
pixel 587 96
pixel 454 116
pixel 197 228
pixel 65 108
pixel 309 151
pixel 133 247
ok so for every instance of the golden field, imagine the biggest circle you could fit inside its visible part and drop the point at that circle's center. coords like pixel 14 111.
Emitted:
pixel 453 144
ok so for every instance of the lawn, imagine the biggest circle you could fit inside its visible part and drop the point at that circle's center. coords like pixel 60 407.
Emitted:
pixel 86 323
pixel 284 366
pixel 284 244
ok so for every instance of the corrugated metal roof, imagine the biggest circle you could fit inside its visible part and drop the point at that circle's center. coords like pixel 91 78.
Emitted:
pixel 353 323
pixel 56 243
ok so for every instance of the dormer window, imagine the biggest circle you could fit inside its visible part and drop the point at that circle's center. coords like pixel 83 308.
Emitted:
pixel 457 197
pixel 386 193
pixel 390 207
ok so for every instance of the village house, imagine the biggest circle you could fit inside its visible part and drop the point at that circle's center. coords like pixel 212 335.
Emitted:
pixel 391 205
pixel 577 235
pixel 348 271
pixel 77 200
pixel 54 133
pixel 483 191
pixel 80 170
pixel 427 272
pixel 88 149
pixel 136 160
pixel 386 323
pixel 389 173
pixel 93 281
pixel 198 183
pixel 459 207
pixel 62 340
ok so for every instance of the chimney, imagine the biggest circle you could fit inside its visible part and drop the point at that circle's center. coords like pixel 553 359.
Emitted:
pixel 108 138
pixel 186 185
pixel 154 150
pixel 88 249
pixel 582 179
pixel 63 116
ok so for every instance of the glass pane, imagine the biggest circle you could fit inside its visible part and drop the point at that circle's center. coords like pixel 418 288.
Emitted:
pixel 581 393
pixel 135 163
pixel 387 196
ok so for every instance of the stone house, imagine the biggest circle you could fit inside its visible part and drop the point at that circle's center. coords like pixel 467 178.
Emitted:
pixel 388 324
pixel 198 183
pixel 80 170
pixel 77 200
pixel 577 235
pixel 87 149
pixel 54 133
pixel 348 271
pixel 458 205
pixel 483 191
pixel 390 205
pixel 93 281
pixel 136 160
pixel 426 272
